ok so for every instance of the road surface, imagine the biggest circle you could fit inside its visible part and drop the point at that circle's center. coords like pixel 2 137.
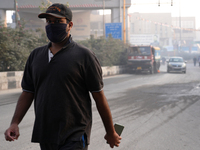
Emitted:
pixel 159 112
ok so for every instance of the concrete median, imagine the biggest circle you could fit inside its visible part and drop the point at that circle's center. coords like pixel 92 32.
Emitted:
pixel 12 79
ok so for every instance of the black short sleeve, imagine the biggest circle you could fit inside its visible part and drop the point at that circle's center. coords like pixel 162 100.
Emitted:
pixel 27 80
pixel 94 81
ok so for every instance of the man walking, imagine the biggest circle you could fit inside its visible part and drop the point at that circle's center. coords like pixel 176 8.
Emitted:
pixel 194 60
pixel 199 61
pixel 58 78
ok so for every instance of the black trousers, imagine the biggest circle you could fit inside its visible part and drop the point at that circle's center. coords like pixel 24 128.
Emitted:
pixel 68 145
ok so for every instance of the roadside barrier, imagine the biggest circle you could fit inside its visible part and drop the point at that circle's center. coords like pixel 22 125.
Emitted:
pixel 12 79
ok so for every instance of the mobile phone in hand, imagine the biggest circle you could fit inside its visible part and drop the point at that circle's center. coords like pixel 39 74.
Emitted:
pixel 118 128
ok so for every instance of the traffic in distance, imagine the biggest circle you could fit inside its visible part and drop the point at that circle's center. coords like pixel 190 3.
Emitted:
pixel 176 64
pixel 148 58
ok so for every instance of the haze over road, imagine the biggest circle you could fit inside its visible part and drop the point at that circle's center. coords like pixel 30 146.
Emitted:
pixel 159 112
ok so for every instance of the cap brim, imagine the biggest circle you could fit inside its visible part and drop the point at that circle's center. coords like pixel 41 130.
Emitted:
pixel 45 15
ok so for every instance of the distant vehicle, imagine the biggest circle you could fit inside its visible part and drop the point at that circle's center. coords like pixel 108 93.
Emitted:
pixel 176 64
pixel 167 58
pixel 142 58
pixel 164 59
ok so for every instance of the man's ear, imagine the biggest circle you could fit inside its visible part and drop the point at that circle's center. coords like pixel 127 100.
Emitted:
pixel 70 24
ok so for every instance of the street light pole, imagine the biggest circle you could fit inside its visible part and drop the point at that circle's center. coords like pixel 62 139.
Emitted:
pixel 120 10
pixel 180 24
pixel 103 19
pixel 124 21
pixel 16 9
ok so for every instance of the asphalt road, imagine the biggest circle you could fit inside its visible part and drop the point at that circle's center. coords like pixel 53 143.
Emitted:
pixel 159 112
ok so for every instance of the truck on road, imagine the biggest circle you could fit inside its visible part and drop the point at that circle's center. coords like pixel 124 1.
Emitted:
pixel 144 58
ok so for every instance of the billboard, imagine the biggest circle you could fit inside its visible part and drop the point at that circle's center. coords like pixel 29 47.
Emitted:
pixel 143 39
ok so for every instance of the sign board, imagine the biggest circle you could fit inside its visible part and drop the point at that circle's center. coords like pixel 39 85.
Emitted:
pixel 143 39
pixel 188 49
pixel 115 29
pixel 169 48
pixel 80 24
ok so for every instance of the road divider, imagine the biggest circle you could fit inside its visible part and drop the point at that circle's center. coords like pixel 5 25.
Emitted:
pixel 12 79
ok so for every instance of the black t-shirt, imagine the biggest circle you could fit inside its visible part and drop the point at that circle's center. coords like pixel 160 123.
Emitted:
pixel 61 91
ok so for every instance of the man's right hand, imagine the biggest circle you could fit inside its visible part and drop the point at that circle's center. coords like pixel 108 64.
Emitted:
pixel 113 139
pixel 12 133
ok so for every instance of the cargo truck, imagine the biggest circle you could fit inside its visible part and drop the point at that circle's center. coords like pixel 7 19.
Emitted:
pixel 144 58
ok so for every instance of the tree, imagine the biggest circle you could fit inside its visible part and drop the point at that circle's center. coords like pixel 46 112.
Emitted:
pixel 16 45
pixel 109 51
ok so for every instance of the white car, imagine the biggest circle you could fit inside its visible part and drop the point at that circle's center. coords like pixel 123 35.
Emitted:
pixel 176 64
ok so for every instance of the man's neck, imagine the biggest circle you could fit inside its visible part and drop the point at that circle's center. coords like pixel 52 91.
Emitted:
pixel 55 47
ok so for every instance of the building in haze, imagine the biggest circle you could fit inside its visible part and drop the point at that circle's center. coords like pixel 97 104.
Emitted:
pixel 163 30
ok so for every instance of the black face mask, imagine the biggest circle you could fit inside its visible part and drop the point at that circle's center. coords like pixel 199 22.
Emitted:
pixel 56 32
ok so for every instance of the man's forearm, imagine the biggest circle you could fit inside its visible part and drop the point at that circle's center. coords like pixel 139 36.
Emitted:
pixel 104 111
pixel 23 104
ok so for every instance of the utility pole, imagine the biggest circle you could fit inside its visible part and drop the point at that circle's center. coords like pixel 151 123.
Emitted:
pixel 103 19
pixel 120 10
pixel 124 22
pixel 16 9
pixel 180 24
